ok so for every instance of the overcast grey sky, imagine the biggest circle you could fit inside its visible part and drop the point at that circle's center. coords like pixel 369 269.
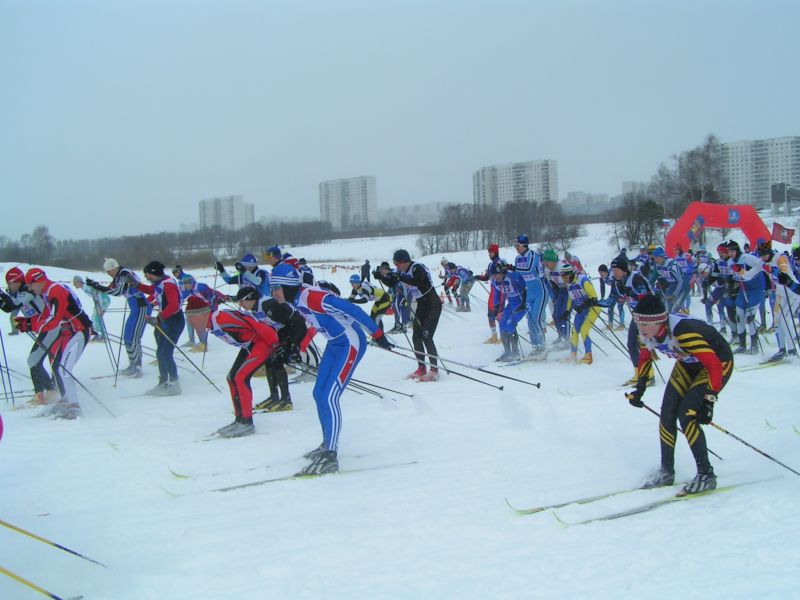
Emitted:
pixel 119 116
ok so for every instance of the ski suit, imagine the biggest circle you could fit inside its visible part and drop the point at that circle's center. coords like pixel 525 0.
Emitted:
pixel 170 325
pixel 529 265
pixel 32 306
pixel 583 300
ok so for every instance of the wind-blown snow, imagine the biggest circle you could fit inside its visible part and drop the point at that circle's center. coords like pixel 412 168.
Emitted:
pixel 437 529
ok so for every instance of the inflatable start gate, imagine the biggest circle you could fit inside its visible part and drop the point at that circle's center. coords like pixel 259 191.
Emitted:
pixel 701 215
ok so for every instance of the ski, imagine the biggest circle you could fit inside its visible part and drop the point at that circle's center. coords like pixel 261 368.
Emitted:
pixel 180 475
pixel 761 365
pixel 586 500
pixel 286 478
pixel 659 503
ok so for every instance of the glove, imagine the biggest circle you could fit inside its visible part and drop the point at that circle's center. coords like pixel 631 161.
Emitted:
pixel 152 321
pixel 519 309
pixel 704 301
pixel 381 341
pixel 239 267
pixel 564 316
pixel 279 356
pixel 294 354
pixel 737 268
pixel 634 397
pixel 706 412
pixel 375 274
pixel 23 324
pixel 219 267
pixel 92 283
pixel 784 279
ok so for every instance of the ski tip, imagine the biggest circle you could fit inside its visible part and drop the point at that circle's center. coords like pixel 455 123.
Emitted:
pixel 561 521
pixel 168 493
pixel 178 475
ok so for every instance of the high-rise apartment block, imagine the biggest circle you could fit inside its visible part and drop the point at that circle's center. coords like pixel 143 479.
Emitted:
pixel 228 212
pixel 534 181
pixel 752 166
pixel 348 203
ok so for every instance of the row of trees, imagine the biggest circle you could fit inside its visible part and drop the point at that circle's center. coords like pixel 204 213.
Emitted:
pixel 190 248
pixel 473 227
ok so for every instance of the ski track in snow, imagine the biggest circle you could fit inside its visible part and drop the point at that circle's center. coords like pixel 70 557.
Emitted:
pixel 437 529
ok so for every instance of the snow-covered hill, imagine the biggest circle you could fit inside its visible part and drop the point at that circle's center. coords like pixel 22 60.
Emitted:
pixel 439 528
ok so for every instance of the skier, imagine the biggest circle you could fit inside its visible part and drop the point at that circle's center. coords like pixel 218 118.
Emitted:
pixel 401 301
pixel 748 274
pixel 62 313
pixel 607 280
pixel 178 273
pixel 365 271
pixel 495 297
pixel 528 264
pixel 363 292
pixel 629 286
pixel 124 283
pixel 201 301
pixel 100 301
pixel 248 274
pixel 465 282
pixel 18 298
pixel 558 296
pixel 583 300
pixel 669 279
pixel 514 291
pixel 341 323
pixel 256 342
pixel 704 365
pixel 168 326
pixel 450 283
pixel 306 273
pixel 417 279
pixel 291 328
pixel 787 302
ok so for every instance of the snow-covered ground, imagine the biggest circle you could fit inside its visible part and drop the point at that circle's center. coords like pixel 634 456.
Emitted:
pixel 439 528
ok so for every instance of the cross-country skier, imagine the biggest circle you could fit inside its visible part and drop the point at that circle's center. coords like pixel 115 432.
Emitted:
pixel 100 303
pixel 787 302
pixel 748 275
pixel 62 313
pixel 607 280
pixel 365 271
pixel 417 280
pixel 401 300
pixel 201 301
pixel 466 280
pixel 557 292
pixel 178 273
pixel 528 264
pixel 363 292
pixel 123 284
pixel 18 298
pixel 495 296
pixel 342 324
pixel 168 326
pixel 306 273
pixel 256 341
pixel 583 300
pixel 247 274
pixel 669 279
pixel 291 329
pixel 704 365
pixel 514 291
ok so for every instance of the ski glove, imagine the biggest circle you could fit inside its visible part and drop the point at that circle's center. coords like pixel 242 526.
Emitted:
pixel 784 279
pixel 565 316
pixel 279 356
pixel 23 323
pixel 92 283
pixel 381 341
pixel 152 321
pixel 219 267
pixel 634 397
pixel 239 267
pixel 706 412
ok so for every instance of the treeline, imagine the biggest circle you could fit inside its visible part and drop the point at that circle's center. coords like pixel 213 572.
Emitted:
pixel 196 248
pixel 473 227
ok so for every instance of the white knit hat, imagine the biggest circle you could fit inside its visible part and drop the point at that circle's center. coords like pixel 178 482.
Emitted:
pixel 109 264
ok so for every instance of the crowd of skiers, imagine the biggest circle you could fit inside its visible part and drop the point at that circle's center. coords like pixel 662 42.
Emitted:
pixel 278 310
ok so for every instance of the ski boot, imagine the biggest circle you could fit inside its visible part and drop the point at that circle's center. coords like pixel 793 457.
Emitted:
pixel 742 347
pixel 171 388
pixel 702 482
pixel 587 359
pixel 513 340
pixel 539 353
pixel 242 428
pixel 432 375
pixel 661 477
pixel 778 356
pixel 493 339
pixel 504 337
pixel 754 345
pixel 313 454
pixel 282 405
pixel 572 359
pixel 235 423
pixel 201 347
pixel 418 374
pixel 620 327
pixel 323 463
pixel 157 390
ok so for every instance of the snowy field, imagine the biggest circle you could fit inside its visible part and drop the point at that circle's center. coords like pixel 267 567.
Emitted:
pixel 436 529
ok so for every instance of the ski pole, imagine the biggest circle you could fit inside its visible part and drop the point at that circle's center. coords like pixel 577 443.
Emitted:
pixel 352 385
pixel 30 584
pixel 214 287
pixel 656 413
pixel 104 331
pixel 6 373
pixel 448 370
pixel 67 371
pixel 761 452
pixel 380 387
pixel 174 345
pixel 50 543
pixel 481 369
pixel 146 351
pixel 119 349
pixel 796 340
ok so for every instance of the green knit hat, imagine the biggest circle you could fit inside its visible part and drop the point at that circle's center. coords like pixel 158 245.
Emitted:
pixel 550 255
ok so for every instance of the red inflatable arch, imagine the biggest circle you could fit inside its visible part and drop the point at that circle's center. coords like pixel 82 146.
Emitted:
pixel 701 215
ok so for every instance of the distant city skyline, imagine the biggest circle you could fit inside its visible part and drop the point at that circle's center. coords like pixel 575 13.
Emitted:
pixel 107 135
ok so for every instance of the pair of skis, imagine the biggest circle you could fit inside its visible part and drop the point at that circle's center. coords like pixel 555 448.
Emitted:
pixel 642 508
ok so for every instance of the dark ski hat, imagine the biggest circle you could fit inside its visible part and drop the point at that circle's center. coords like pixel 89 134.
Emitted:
pixel 620 262
pixel 603 268
pixel 401 256
pixel 649 310
pixel 248 293
pixel 154 268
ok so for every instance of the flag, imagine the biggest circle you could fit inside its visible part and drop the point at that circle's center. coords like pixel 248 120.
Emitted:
pixel 782 234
